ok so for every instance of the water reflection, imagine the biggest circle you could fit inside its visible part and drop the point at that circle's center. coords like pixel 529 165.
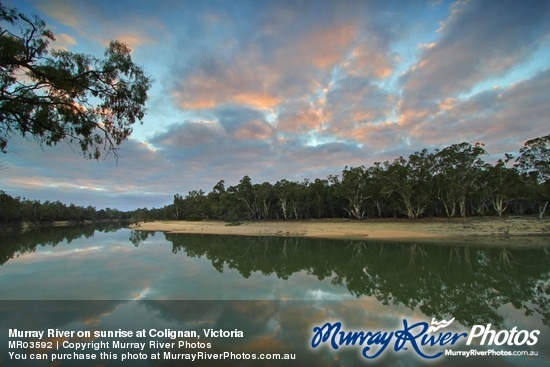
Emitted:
pixel 469 283
pixel 13 244
pixel 268 327
pixel 443 282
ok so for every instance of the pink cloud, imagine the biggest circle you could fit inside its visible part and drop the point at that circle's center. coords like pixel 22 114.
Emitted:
pixel 368 59
pixel 242 80
pixel 322 48
pixel 300 117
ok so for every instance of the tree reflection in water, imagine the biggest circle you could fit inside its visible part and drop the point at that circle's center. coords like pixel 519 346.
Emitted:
pixel 468 283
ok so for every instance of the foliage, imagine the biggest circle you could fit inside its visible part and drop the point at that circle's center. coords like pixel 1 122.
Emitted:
pixel 534 163
pixel 453 182
pixel 17 210
pixel 57 95
pixel 534 158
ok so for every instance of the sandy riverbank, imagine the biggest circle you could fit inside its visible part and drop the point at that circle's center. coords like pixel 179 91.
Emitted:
pixel 381 229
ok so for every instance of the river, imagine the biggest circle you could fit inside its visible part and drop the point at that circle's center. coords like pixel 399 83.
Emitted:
pixel 275 290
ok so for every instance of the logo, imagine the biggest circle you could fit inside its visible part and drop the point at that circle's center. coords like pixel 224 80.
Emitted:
pixel 428 341
pixel 439 325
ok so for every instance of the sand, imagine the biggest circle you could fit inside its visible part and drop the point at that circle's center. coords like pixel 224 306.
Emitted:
pixel 494 229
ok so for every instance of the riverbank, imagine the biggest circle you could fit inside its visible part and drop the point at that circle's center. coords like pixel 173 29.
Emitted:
pixel 510 229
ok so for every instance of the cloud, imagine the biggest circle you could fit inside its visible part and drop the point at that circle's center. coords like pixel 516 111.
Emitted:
pixel 503 118
pixel 478 40
pixel 298 117
pixel 286 52
pixel 210 82
pixel 62 12
pixel 245 124
pixel 60 173
pixel 319 48
pixel 225 147
pixel 115 20
pixel 371 58
pixel 237 141
pixel 355 101
pixel 296 90
pixel 63 41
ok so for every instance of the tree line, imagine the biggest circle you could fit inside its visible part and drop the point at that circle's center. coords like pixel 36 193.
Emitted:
pixel 56 95
pixel 17 210
pixel 452 182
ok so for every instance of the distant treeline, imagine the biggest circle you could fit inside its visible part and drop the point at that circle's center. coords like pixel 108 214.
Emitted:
pixel 18 210
pixel 452 182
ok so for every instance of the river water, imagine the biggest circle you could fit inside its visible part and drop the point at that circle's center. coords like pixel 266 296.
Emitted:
pixel 276 290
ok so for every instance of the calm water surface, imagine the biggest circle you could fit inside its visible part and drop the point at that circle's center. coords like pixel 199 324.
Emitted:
pixel 372 285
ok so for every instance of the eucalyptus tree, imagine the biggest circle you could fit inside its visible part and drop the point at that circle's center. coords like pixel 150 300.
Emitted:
pixel 217 200
pixel 376 176
pixel 289 197
pixel 177 206
pixel 534 163
pixel 335 204
pixel 58 95
pixel 534 158
pixel 317 196
pixel 409 180
pixel 354 188
pixel 282 190
pixel 11 208
pixel 297 195
pixel 195 206
pixel 264 200
pixel 458 169
pixel 503 185
pixel 246 196
pixel 421 170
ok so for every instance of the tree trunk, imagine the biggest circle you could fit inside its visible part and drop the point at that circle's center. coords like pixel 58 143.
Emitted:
pixel 462 205
pixel 283 207
pixel 542 209
pixel 500 205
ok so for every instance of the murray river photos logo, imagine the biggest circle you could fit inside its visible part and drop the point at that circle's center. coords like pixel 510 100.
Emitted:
pixel 428 341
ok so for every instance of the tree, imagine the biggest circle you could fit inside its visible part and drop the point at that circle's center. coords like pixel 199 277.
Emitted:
pixel 317 193
pixel 354 189
pixel 421 167
pixel 377 180
pixel 458 169
pixel 216 199
pixel 195 206
pixel 408 180
pixel 244 192
pixel 534 162
pixel 534 158
pixel 282 193
pixel 264 199
pixel 178 206
pixel 503 184
pixel 57 95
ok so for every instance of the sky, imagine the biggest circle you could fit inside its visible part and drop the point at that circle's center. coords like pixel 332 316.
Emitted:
pixel 292 89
